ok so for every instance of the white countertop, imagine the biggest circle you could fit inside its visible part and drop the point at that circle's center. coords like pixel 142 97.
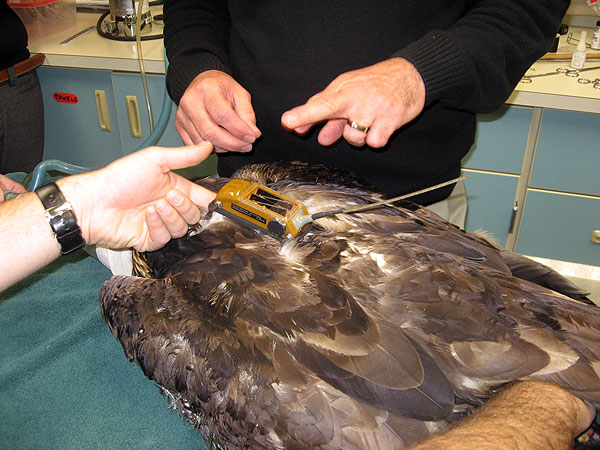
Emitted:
pixel 559 91
pixel 94 52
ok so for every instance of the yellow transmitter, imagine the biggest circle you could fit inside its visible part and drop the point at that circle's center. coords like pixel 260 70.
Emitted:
pixel 267 211
pixel 262 209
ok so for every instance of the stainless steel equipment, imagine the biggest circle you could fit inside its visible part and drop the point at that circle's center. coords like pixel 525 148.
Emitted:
pixel 123 15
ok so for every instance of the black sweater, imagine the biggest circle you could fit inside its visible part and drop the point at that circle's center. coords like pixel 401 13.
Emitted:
pixel 13 37
pixel 471 54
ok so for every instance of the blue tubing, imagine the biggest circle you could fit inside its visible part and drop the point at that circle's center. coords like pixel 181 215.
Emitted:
pixel 37 177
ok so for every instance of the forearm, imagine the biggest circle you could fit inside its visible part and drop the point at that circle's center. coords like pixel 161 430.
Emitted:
pixel 27 242
pixel 476 62
pixel 527 416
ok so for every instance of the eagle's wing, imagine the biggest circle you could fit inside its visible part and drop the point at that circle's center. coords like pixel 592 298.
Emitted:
pixel 371 328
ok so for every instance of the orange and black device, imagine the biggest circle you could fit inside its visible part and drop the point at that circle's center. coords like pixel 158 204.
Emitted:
pixel 267 211
pixel 262 209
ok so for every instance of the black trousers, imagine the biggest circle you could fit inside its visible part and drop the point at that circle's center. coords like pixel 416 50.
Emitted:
pixel 21 123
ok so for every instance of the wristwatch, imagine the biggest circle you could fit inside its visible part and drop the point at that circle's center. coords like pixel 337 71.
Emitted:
pixel 61 218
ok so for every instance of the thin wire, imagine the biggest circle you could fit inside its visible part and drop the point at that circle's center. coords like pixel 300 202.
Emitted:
pixel 387 202
pixel 138 43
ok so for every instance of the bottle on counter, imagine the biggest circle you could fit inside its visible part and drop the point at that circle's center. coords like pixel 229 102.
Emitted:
pixel 578 58
pixel 596 37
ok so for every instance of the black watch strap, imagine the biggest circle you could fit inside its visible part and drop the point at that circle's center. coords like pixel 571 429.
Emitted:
pixel 61 218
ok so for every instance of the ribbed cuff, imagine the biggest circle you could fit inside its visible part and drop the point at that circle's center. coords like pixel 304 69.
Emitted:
pixel 185 68
pixel 442 66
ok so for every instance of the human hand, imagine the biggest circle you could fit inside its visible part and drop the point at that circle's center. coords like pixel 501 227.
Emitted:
pixel 382 97
pixel 216 108
pixel 6 184
pixel 137 201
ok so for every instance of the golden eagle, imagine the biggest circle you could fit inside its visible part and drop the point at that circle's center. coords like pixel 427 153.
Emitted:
pixel 373 331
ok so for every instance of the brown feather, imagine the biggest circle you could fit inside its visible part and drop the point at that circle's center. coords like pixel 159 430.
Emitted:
pixel 373 331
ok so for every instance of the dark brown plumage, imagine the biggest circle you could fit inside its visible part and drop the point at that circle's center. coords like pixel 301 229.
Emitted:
pixel 375 330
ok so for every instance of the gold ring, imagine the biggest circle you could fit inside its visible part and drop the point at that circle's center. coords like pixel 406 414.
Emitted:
pixel 358 126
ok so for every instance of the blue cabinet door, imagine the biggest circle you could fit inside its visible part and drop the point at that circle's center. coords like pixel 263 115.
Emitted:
pixel 128 86
pixel 493 166
pixel 500 140
pixel 568 153
pixel 559 226
pixel 490 200
pixel 72 129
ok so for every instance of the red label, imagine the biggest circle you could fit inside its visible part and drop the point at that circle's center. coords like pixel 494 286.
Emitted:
pixel 65 98
pixel 29 3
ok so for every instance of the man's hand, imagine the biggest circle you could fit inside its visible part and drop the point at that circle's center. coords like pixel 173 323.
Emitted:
pixel 217 109
pixel 137 201
pixel 382 97
pixel 6 184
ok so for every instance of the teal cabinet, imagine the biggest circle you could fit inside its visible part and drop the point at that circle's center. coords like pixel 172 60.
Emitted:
pixel 132 110
pixel 490 200
pixel 493 167
pixel 562 208
pixel 109 118
pixel 560 226
pixel 534 183
pixel 568 153
pixel 73 132
pixel 500 140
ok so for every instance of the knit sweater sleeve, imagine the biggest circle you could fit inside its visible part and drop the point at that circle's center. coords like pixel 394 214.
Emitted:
pixel 476 63
pixel 196 39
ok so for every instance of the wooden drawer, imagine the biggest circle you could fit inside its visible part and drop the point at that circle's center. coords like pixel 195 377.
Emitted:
pixel 560 226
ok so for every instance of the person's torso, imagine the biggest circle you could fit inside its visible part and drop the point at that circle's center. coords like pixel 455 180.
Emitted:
pixel 285 52
pixel 13 38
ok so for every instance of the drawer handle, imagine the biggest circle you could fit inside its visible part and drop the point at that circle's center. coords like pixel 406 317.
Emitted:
pixel 595 237
pixel 133 114
pixel 513 218
pixel 102 108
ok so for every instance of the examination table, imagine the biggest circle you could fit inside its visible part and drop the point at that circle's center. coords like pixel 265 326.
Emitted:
pixel 64 380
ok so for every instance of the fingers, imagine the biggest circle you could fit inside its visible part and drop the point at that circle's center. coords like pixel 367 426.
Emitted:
pixel 380 98
pixel 332 132
pixel 8 184
pixel 380 133
pixel 216 108
pixel 317 109
pixel 169 218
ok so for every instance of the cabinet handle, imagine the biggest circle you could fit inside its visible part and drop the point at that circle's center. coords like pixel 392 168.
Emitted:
pixel 133 114
pixel 102 108
pixel 513 218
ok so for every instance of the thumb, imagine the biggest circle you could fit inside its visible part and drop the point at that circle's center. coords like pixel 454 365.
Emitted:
pixel 318 109
pixel 181 157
